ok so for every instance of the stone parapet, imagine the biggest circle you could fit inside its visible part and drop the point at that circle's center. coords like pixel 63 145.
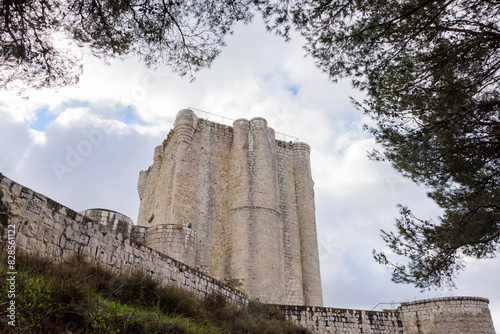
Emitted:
pixel 458 315
pixel 176 240
pixel 327 320
pixel 115 221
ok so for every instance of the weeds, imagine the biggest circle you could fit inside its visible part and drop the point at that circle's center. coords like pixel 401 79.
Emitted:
pixel 81 297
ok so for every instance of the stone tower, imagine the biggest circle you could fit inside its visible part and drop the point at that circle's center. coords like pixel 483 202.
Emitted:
pixel 237 204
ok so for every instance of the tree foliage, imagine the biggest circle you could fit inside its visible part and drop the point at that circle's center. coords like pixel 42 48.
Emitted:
pixel 184 35
pixel 430 70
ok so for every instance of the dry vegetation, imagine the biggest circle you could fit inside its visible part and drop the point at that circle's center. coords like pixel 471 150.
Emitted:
pixel 80 297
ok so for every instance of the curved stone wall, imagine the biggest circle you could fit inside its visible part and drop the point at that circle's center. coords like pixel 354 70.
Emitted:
pixel 255 221
pixel 113 220
pixel 304 188
pixel 457 315
pixel 176 241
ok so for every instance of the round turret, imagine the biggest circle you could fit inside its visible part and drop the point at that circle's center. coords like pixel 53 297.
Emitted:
pixel 115 221
pixel 458 315
pixel 185 125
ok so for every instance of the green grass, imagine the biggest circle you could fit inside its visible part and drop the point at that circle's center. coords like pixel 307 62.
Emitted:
pixel 80 297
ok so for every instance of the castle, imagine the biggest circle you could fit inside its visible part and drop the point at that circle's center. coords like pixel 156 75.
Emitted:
pixel 228 210
pixel 237 204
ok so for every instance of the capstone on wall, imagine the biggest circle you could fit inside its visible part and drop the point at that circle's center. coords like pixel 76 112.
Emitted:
pixel 247 200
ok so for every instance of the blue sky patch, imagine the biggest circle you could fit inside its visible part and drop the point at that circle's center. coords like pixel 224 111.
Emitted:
pixel 128 115
pixel 42 119
pixel 293 88
pixel 282 78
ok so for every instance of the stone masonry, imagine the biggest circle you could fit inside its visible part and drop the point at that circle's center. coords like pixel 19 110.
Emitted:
pixel 49 229
pixel 223 204
pixel 450 315
pixel 457 315
pixel 243 199
pixel 105 237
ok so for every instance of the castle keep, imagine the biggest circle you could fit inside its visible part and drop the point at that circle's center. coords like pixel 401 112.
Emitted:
pixel 237 204
pixel 226 210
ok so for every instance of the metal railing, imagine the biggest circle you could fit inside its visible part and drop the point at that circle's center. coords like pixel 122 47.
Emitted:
pixel 224 119
pixel 395 305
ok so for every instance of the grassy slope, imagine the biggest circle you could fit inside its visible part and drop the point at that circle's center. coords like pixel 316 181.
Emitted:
pixel 79 297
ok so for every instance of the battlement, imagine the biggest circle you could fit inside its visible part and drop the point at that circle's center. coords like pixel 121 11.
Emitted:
pixel 198 124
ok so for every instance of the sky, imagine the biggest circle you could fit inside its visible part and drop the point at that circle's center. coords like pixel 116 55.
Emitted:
pixel 84 146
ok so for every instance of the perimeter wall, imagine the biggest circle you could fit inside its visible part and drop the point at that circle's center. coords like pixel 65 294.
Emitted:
pixel 52 230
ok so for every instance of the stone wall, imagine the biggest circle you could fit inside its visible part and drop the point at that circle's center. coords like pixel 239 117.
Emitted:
pixel 50 229
pixel 450 315
pixel 249 199
pixel 304 188
pixel 113 220
pixel 186 185
pixel 177 241
pixel 255 221
pixel 457 315
pixel 294 287
pixel 344 321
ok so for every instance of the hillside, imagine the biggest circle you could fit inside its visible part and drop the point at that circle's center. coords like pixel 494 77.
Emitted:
pixel 80 297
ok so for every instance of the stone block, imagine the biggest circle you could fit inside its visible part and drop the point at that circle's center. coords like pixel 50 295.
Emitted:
pixel 69 233
pixel 21 240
